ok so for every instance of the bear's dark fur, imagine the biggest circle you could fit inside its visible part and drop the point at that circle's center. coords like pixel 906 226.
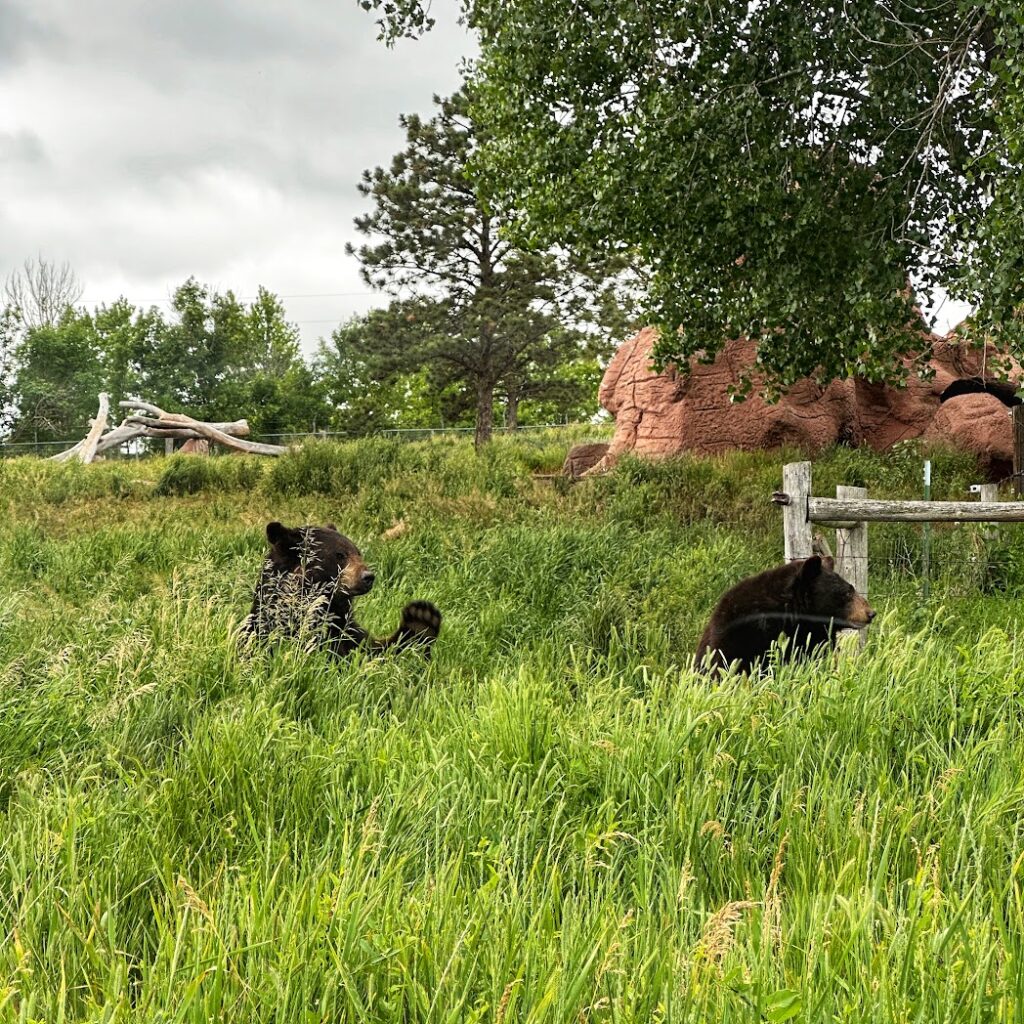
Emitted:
pixel 310 578
pixel 806 602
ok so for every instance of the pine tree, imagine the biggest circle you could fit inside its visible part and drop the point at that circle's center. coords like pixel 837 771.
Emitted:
pixel 484 314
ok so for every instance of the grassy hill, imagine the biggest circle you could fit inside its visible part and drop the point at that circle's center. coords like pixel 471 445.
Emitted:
pixel 555 821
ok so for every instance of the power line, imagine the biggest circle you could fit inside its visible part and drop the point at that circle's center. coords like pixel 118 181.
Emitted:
pixel 302 295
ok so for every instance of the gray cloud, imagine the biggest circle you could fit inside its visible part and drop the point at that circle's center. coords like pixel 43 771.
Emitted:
pixel 20 150
pixel 20 30
pixel 147 142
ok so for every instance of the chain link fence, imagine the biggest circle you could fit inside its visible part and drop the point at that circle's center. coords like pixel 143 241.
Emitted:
pixel 143 448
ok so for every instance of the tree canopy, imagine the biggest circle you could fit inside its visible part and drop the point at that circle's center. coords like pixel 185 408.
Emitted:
pixel 784 168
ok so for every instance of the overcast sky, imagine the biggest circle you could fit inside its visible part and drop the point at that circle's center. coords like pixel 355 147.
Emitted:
pixel 146 142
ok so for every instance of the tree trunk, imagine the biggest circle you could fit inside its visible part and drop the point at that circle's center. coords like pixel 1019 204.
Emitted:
pixel 512 411
pixel 484 414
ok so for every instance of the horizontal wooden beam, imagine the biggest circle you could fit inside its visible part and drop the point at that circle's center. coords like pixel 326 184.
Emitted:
pixel 869 510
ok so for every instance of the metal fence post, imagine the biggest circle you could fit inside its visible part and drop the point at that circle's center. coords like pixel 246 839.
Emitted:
pixel 1017 418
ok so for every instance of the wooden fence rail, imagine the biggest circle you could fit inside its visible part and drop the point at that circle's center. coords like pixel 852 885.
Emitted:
pixel 864 510
pixel 851 510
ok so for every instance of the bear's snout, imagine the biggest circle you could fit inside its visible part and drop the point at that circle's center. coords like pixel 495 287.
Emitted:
pixel 860 613
pixel 356 578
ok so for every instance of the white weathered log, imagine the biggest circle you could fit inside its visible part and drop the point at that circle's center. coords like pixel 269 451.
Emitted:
pixel 171 419
pixel 99 424
pixel 136 403
pixel 799 539
pixel 93 438
pixel 830 510
pixel 68 454
pixel 120 435
pixel 129 430
pixel 160 424
pixel 162 428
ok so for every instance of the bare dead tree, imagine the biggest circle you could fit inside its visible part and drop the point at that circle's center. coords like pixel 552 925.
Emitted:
pixel 40 291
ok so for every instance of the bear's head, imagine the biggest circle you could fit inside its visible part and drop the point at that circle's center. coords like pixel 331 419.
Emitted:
pixel 319 559
pixel 821 593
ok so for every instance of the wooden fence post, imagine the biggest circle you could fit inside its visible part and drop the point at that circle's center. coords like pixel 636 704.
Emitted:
pixel 990 492
pixel 852 559
pixel 852 546
pixel 796 482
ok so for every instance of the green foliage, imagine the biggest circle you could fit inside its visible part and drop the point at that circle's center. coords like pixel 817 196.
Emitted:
pixel 125 337
pixel 364 396
pixel 486 317
pixel 213 357
pixel 59 374
pixel 553 821
pixel 220 359
pixel 782 168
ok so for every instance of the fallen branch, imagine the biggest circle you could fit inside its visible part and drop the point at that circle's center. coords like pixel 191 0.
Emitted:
pixel 159 424
pixel 162 428
pixel 88 452
pixel 85 450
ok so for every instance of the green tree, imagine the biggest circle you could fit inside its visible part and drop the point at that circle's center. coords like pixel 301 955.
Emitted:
pixel 485 315
pixel 193 352
pixel 218 359
pixel 365 399
pixel 125 335
pixel 272 381
pixel 58 375
pixel 782 167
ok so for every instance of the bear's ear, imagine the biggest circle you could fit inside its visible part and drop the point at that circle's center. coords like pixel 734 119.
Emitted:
pixel 281 537
pixel 330 526
pixel 828 563
pixel 810 570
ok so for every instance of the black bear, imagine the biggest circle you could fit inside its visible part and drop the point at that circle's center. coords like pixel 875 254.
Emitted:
pixel 806 602
pixel 308 583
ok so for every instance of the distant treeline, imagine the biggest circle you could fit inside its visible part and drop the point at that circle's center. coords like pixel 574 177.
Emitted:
pixel 218 358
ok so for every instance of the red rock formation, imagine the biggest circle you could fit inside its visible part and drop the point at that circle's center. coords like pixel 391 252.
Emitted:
pixel 662 414
pixel 582 457
pixel 978 424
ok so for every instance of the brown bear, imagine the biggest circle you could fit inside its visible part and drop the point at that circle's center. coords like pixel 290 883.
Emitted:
pixel 310 578
pixel 806 602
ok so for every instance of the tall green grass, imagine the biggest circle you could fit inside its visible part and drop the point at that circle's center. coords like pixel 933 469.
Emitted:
pixel 554 820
